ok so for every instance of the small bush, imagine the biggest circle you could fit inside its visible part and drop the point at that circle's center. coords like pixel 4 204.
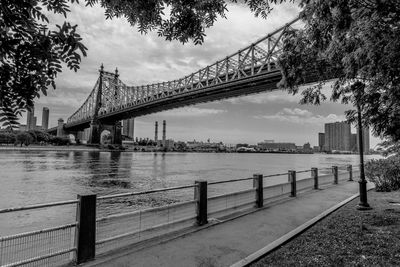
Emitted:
pixel 33 136
pixel 41 136
pixel 60 141
pixel 384 173
pixel 23 138
pixel 7 138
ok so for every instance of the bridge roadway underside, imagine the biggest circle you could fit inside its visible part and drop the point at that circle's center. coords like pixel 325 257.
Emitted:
pixel 256 84
pixel 264 82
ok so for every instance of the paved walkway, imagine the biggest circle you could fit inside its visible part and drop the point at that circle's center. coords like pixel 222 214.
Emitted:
pixel 226 243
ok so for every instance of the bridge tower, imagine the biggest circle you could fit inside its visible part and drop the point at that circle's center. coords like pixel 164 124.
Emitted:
pixel 96 127
pixel 60 127
pixel 94 132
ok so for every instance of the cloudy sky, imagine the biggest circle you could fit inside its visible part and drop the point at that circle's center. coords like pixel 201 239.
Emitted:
pixel 144 59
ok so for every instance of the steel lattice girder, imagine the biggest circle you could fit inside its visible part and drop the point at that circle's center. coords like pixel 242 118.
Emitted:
pixel 257 58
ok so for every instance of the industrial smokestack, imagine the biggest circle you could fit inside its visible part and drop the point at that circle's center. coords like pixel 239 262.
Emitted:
pixel 156 132
pixel 164 130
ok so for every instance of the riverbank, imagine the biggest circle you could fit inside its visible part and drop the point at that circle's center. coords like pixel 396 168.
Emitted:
pixel 106 149
pixel 50 148
pixel 347 237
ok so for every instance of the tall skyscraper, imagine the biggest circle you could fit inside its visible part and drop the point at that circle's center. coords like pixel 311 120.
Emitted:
pixel 34 122
pixel 45 118
pixel 29 119
pixel 321 141
pixel 354 143
pixel 128 127
pixel 125 127
pixel 337 136
pixel 131 131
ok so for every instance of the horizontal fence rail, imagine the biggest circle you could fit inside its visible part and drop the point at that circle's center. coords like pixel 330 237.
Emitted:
pixel 39 206
pixel 146 192
pixel 93 235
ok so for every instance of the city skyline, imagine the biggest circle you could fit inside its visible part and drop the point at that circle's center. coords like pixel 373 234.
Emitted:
pixel 276 115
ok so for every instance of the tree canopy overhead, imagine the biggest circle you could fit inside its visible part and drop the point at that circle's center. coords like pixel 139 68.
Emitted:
pixel 359 37
pixel 32 51
pixel 362 39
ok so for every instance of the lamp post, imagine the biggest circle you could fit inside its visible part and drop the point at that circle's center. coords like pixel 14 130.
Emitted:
pixel 363 205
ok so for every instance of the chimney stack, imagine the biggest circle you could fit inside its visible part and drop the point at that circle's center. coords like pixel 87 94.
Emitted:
pixel 156 132
pixel 164 132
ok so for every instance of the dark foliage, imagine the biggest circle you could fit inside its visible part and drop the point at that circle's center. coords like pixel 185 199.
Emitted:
pixel 7 138
pixel 31 53
pixel 362 40
pixel 59 141
pixel 384 173
pixel 24 138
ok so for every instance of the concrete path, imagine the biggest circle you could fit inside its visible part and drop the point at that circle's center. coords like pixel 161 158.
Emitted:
pixel 228 242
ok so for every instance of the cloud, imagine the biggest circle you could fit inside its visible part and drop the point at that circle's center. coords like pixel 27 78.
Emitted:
pixel 301 116
pixel 193 112
pixel 278 96
pixel 149 58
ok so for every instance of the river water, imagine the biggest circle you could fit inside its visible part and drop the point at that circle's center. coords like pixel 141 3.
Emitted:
pixel 31 177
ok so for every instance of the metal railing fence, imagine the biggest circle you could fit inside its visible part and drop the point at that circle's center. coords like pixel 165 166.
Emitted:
pixel 92 234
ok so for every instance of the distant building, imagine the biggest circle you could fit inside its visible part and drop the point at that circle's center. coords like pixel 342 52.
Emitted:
pixel 29 119
pixel 128 127
pixel 321 141
pixel 307 146
pixel 354 143
pixel 45 118
pixel 204 146
pixel 169 143
pixel 34 123
pixel 277 146
pixel 337 136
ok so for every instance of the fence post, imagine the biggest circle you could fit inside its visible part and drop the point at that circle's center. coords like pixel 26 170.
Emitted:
pixel 258 182
pixel 335 174
pixel 350 170
pixel 292 180
pixel 314 174
pixel 86 229
pixel 201 198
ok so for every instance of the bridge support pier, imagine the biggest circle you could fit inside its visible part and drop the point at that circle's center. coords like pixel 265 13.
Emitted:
pixel 94 133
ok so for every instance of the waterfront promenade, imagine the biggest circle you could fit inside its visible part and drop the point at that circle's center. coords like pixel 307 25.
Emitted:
pixel 223 243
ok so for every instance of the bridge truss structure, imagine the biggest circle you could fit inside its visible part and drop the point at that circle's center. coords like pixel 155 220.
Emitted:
pixel 250 70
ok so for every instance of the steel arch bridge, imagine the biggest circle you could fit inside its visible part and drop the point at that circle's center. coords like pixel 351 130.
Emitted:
pixel 252 69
